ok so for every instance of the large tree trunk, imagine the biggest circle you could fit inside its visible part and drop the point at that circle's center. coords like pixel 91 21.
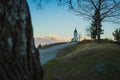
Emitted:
pixel 99 30
pixel 98 23
pixel 19 60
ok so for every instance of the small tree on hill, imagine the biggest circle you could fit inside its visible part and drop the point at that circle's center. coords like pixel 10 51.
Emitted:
pixel 116 34
pixel 39 46
pixel 89 31
pixel 92 29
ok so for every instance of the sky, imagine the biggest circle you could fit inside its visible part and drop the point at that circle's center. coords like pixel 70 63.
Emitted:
pixel 58 21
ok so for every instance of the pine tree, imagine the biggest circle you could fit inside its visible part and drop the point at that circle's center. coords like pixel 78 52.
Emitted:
pixel 116 34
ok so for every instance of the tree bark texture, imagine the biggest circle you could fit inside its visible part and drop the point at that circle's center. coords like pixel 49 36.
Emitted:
pixel 19 59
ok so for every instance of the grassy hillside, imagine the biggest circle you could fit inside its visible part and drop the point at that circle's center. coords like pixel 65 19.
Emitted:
pixel 90 61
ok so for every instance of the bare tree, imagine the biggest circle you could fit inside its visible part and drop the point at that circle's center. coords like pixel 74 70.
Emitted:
pixel 19 59
pixel 97 10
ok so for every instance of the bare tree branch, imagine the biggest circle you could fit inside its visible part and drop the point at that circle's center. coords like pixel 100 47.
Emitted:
pixel 96 10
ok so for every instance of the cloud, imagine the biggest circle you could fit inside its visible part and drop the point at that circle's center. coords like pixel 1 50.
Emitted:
pixel 53 38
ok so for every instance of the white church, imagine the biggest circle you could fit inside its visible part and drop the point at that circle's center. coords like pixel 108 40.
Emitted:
pixel 75 37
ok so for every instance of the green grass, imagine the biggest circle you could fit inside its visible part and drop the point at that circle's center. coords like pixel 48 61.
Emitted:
pixel 90 61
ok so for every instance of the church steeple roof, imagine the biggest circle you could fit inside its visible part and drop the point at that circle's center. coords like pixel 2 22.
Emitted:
pixel 75 30
pixel 75 36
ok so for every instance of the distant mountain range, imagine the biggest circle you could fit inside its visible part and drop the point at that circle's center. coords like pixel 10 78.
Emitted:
pixel 48 40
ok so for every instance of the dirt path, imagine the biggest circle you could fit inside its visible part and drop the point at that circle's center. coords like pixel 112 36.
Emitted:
pixel 51 52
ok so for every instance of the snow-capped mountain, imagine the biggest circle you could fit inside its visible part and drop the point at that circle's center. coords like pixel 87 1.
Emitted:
pixel 49 40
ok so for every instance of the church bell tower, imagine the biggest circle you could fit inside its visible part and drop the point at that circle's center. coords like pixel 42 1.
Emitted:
pixel 75 37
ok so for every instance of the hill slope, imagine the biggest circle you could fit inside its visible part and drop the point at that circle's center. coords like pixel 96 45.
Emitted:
pixel 91 61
